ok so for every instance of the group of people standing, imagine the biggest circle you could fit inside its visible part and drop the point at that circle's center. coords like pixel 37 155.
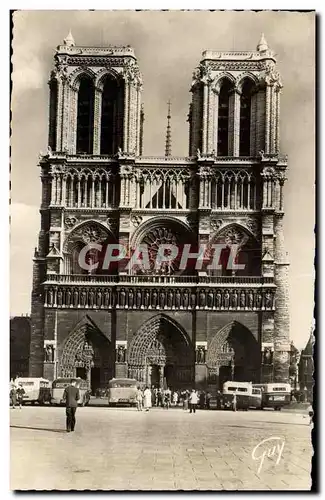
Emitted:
pixel 166 398
pixel 16 394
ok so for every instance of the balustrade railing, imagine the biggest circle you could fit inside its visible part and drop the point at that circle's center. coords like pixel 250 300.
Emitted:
pixel 157 279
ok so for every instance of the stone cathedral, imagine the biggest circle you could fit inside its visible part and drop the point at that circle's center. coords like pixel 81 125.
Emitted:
pixel 176 327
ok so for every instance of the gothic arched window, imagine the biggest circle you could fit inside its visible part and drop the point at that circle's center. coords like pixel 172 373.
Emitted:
pixel 85 116
pixel 245 118
pixel 223 118
pixel 108 136
pixel 53 114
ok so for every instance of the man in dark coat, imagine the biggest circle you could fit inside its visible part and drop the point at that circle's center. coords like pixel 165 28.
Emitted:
pixel 71 396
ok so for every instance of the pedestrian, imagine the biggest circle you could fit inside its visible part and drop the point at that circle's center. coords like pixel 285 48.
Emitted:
pixel 167 398
pixel 202 400
pixel 185 400
pixel 159 397
pixel 153 395
pixel 71 396
pixel 13 397
pixel 147 399
pixel 208 400
pixel 20 394
pixel 193 400
pixel 139 398
pixel 234 402
pixel 175 398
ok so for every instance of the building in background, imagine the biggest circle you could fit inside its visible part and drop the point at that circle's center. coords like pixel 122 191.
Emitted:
pixel 182 328
pixel 306 369
pixel 20 337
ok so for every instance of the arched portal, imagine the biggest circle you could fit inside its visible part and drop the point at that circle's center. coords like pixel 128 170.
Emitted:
pixel 233 354
pixel 88 354
pixel 161 354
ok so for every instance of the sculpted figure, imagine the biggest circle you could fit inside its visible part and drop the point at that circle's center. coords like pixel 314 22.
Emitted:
pixel 154 299
pixel 210 299
pixel 202 299
pixel 193 300
pixel 178 299
pixel 258 300
pixel 218 299
pixel 268 300
pixel 59 296
pixel 91 298
pixel 106 299
pixel 75 298
pixel 250 300
pixel 99 298
pixel 146 299
pixel 234 300
pixel 68 298
pixel 242 299
pixel 226 299
pixel 185 299
pixel 162 299
pixel 50 297
pixel 122 298
pixel 83 297
pixel 131 297
pixel 138 299
pixel 170 298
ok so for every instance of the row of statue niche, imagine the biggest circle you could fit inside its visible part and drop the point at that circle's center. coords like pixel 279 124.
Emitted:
pixel 91 298
pixel 49 353
pixel 162 299
pixel 121 354
pixel 185 299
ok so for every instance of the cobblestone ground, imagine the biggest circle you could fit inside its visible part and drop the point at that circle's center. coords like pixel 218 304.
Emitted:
pixel 122 449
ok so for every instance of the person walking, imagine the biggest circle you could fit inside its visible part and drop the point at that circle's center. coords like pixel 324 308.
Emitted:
pixel 234 402
pixel 175 398
pixel 167 398
pixel 193 400
pixel 185 400
pixel 13 396
pixel 147 399
pixel 139 399
pixel 71 396
pixel 20 394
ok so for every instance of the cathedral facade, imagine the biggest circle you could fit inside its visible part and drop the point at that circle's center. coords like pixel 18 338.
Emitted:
pixel 182 327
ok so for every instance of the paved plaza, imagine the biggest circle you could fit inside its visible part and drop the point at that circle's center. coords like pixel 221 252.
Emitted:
pixel 122 449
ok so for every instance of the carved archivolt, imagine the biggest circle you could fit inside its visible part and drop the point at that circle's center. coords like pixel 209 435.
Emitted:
pixel 235 340
pixel 87 232
pixel 160 341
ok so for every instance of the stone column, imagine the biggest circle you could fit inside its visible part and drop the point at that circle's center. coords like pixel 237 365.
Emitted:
pixel 234 123
pixel 211 118
pixel 59 115
pixel 205 118
pixel 277 120
pixel 268 123
pixel 281 315
pixel 215 121
pixel 126 115
pixel 97 120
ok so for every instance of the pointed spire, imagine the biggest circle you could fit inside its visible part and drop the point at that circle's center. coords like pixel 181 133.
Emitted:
pixel 262 45
pixel 69 40
pixel 168 148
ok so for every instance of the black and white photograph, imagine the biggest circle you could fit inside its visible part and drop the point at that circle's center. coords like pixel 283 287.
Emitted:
pixel 162 246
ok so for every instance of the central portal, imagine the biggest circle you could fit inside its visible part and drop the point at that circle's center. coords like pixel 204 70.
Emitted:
pixel 161 355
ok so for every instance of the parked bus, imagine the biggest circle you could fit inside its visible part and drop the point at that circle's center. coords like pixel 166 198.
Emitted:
pixel 255 399
pixel 60 384
pixel 122 391
pixel 275 395
pixel 37 390
pixel 243 391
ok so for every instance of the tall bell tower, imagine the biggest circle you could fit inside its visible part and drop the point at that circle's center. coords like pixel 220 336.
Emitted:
pixel 234 130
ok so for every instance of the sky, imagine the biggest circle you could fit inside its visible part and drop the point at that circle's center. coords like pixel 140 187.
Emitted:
pixel 168 46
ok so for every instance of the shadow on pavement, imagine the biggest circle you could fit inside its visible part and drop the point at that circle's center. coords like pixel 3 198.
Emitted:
pixel 37 428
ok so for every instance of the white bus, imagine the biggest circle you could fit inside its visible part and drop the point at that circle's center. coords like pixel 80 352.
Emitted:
pixel 37 390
